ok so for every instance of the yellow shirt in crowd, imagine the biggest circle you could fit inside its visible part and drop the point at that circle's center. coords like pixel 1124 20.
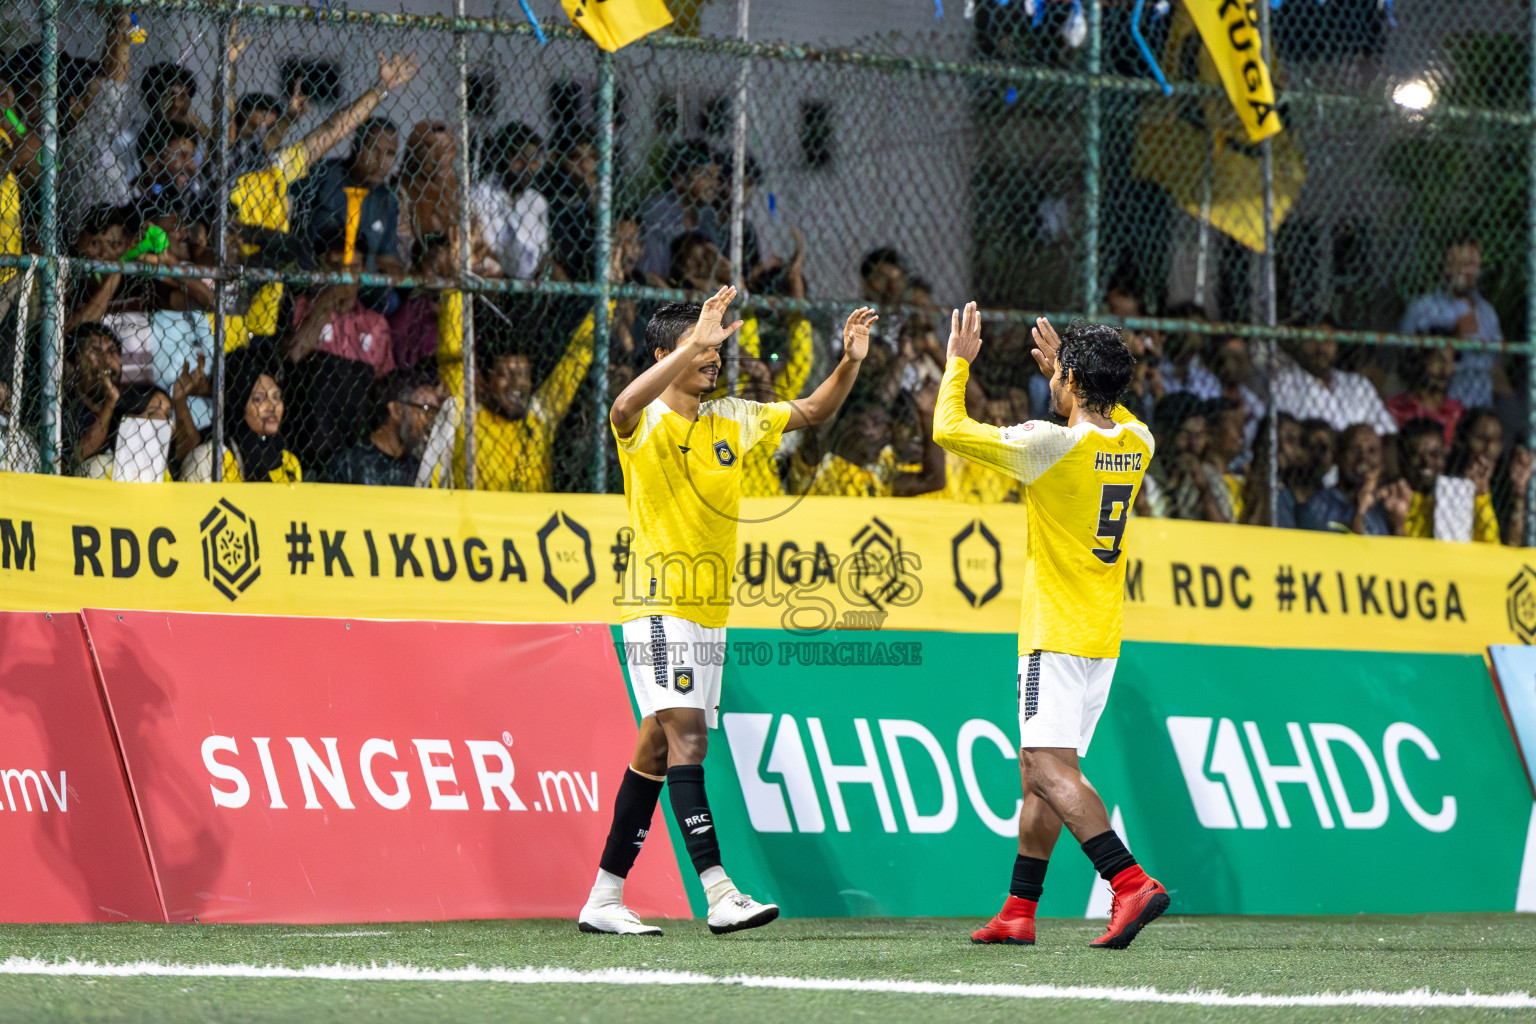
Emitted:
pixel 965 480
pixel 260 199
pixel 10 223
pixel 760 475
pixel 1420 520
pixel 515 455
pixel 1079 485
pixel 838 477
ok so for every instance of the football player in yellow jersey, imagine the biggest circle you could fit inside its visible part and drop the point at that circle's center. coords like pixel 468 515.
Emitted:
pixel 682 460
pixel 1080 482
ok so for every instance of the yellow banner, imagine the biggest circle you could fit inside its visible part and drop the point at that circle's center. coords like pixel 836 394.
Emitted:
pixel 1230 29
pixel 809 565
pixel 616 23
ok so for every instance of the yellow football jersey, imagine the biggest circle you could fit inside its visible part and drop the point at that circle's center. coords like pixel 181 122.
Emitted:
pixel 1080 483
pixel 682 483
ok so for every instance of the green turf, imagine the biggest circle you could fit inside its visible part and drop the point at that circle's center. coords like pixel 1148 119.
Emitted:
pixel 1487 953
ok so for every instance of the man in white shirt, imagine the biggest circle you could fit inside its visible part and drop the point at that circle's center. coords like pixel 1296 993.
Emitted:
pixel 91 169
pixel 1457 310
pixel 514 217
pixel 1310 388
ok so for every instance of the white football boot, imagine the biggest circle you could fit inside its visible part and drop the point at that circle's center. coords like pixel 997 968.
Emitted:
pixel 738 911
pixel 606 913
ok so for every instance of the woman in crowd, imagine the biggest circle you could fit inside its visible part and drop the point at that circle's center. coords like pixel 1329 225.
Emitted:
pixel 253 423
pixel 141 401
pixel 1477 453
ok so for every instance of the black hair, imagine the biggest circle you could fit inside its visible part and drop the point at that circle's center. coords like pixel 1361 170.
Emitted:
pixel 878 257
pixel 680 245
pixel 22 67
pixel 159 133
pixel 1316 423
pixel 132 401
pixel 1414 429
pixel 752 170
pixel 242 369
pixel 685 157
pixel 670 323
pixel 253 103
pixel 1170 413
pixel 161 201
pixel 514 137
pixel 571 137
pixel 103 217
pixel 1219 405
pixel 1416 360
pixel 162 77
pixel 1100 363
pixel 367 130
pixel 75 340
pixel 399 386
pixel 1461 440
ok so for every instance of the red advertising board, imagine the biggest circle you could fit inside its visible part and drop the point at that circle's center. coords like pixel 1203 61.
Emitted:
pixel 68 839
pixel 315 771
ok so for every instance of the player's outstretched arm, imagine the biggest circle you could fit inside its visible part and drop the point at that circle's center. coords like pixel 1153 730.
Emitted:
pixel 953 428
pixel 955 431
pixel 709 332
pixel 821 404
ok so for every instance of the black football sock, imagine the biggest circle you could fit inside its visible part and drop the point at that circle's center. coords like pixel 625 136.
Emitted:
pixel 685 786
pixel 632 811
pixel 1028 877
pixel 1109 855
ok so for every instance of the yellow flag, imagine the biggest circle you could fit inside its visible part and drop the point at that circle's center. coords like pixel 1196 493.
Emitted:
pixel 616 23
pixel 1230 29
pixel 1197 148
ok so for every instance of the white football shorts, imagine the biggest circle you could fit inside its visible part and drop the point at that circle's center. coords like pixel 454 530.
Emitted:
pixel 674 663
pixel 1061 697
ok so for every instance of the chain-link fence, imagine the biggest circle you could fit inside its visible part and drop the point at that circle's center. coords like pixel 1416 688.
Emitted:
pixel 322 243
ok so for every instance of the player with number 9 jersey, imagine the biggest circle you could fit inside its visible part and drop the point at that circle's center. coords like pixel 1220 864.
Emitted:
pixel 1080 482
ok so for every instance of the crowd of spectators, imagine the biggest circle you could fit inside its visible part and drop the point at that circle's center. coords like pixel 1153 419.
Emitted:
pixel 363 385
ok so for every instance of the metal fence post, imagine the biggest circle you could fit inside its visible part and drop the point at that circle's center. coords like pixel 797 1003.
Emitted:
pixel 1268 285
pixel 602 257
pixel 1092 180
pixel 466 230
pixel 221 284
pixel 1530 289
pixel 738 189
pixel 52 285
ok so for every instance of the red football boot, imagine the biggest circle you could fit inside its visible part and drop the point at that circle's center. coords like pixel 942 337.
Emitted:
pixel 1138 901
pixel 1013 925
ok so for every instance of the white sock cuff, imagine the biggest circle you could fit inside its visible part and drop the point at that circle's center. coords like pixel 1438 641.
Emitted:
pixel 607 880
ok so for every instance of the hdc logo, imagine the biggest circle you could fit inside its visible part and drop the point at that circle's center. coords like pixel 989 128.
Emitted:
pixel 749 736
pixel 1225 758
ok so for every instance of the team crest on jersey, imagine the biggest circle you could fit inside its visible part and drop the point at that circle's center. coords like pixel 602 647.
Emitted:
pixel 724 454
pixel 682 680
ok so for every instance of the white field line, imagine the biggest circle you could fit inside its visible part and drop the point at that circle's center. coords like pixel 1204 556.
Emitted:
pixel 1417 998
pixel 329 935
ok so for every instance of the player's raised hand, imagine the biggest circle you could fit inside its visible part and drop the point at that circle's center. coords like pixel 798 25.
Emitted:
pixel 711 330
pixel 397 70
pixel 1046 344
pixel 856 334
pixel 965 333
